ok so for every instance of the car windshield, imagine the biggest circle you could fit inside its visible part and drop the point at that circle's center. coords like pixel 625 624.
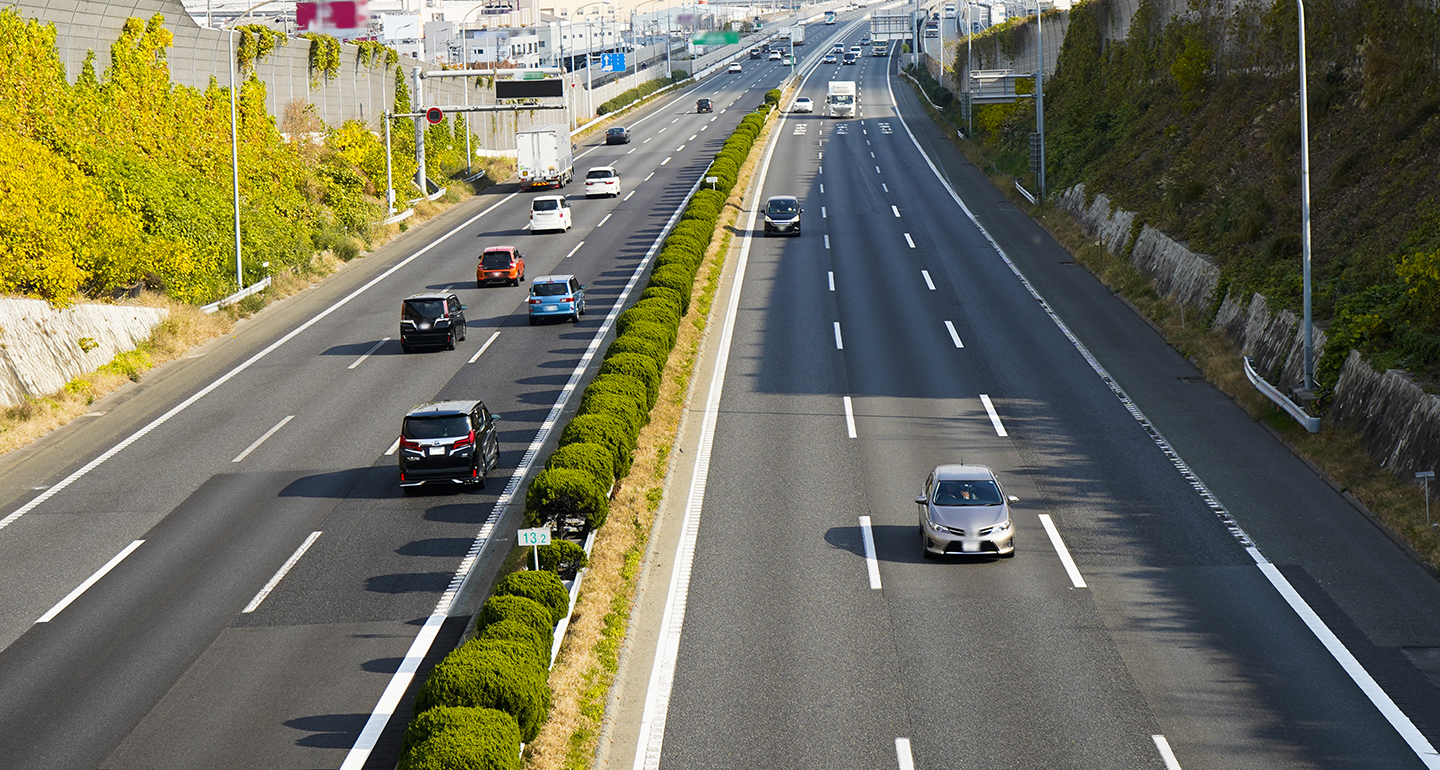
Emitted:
pixel 802 100
pixel 977 492
pixel 600 173
pixel 423 309
pixel 783 207
pixel 495 259
pixel 545 204
pixel 447 426
pixel 842 99
pixel 616 131
pixel 550 289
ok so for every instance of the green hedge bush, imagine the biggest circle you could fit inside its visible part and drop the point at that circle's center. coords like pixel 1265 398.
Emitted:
pixel 594 459
pixel 634 94
pixel 565 492
pixel 645 346
pixel 623 384
pixel 674 277
pixel 640 367
pixel 522 610
pixel 669 295
pixel 517 632
pixel 660 333
pixel 494 675
pixel 623 409
pixel 563 556
pixel 461 738
pixel 701 229
pixel 542 587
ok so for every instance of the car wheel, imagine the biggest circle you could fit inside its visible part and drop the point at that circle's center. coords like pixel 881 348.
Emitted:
pixel 480 479
pixel 575 317
pixel 450 341
pixel 516 281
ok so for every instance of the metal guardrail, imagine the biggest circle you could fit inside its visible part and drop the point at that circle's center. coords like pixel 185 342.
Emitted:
pixel 1311 424
pixel 254 288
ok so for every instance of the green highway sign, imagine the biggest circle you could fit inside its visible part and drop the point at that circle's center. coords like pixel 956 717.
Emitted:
pixel 716 38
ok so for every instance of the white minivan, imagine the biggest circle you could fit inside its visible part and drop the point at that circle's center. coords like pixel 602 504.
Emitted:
pixel 550 212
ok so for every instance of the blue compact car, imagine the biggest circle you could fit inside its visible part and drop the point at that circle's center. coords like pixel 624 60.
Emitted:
pixel 556 296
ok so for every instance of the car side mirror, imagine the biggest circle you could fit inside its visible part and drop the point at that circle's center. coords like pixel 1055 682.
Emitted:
pixel 920 501
pixel 494 418
pixel 1012 498
pixel 462 307
pixel 582 287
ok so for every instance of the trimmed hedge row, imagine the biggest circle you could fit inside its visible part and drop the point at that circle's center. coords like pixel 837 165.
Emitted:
pixel 492 693
pixel 638 92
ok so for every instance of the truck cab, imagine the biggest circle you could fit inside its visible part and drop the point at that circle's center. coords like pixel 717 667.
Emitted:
pixel 841 99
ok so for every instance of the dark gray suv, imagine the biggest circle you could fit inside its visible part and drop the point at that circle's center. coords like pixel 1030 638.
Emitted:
pixel 448 442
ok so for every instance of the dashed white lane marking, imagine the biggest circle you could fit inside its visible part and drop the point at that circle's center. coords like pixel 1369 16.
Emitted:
pixel 280 574
pixel 827 241
pixel 627 196
pixel 1163 746
pixel 393 447
pixel 663 162
pixel 261 440
pixel 955 337
pixel 376 347
pixel 606 219
pixel 712 120
pixel 647 139
pixel 884 187
pixel 1063 552
pixel 877 169
pixel 681 147
pixel 707 125
pixel 929 283
pixel 911 242
pixel 646 179
pixel 831 275
pixel 474 358
pixel 839 343
pixel 822 213
pixel 903 755
pixel 849 418
pixel 871 154
pixel 632 149
pixel 692 137
pixel 872 565
pixel 994 416
pixel 822 188
pixel 90 581
pixel 819 156
pixel 896 210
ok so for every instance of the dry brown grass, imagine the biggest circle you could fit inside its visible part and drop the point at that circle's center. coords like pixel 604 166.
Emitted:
pixel 588 659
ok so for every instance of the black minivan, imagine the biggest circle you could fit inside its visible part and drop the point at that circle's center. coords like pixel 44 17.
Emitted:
pixel 448 442
pixel 431 319
pixel 704 105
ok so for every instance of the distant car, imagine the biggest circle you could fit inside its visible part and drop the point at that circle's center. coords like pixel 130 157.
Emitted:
pixel 754 53
pixel 880 49
pixel 865 40
pixel 704 105
pixel 775 56
pixel 448 442
pixel 617 135
pixel 602 180
pixel 803 104
pixel 431 319
pixel 829 58
pixel 782 215
pixel 964 511
pixel 855 49
pixel 850 58
pixel 838 48
pixel 556 296
pixel 500 264
pixel 550 212
pixel 734 67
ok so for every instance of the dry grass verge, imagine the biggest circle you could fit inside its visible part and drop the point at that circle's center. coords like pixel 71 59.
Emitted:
pixel 187 326
pixel 589 657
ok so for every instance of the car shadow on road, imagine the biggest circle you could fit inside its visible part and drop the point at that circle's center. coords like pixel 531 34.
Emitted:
pixel 329 731
pixel 895 543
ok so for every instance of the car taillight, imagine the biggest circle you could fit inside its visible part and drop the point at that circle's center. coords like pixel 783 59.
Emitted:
pixel 534 301
pixel 406 443
pixel 568 299
pixel 464 442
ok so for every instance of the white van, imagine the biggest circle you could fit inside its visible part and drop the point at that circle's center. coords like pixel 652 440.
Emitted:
pixel 550 212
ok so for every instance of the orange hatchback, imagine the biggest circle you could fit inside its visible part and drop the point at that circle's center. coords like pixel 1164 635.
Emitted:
pixel 500 264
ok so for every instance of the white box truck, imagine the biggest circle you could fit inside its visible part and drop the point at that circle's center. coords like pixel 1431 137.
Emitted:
pixel 544 157
pixel 797 34
pixel 841 101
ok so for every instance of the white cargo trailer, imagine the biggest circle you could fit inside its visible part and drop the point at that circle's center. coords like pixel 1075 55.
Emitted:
pixel 544 156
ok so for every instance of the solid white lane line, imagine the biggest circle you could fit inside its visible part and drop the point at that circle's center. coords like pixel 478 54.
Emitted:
pixel 929 283
pixel 606 219
pixel 911 243
pixel 831 274
pixel 646 179
pixel 950 327
pixel 393 447
pixel 903 755
pixel 90 581
pixel 839 344
pixel 871 564
pixel 261 440
pixel 1163 746
pixel 663 162
pixel 479 352
pixel 280 574
pixel 827 241
pixel 376 347
pixel 896 211
pixel 272 347
pixel 850 418
pixel 572 251
pixel 627 196
pixel 822 212
pixel 1063 552
pixel 994 416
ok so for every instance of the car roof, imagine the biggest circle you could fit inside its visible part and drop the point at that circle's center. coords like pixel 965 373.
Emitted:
pixel 963 472
pixel 601 168
pixel 781 198
pixel 430 295
pixel 613 129
pixel 501 248
pixel 553 278
pixel 442 409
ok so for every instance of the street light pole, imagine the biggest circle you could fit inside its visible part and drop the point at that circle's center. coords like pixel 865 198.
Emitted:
pixel 235 159
pixel 1040 94
pixel 1309 343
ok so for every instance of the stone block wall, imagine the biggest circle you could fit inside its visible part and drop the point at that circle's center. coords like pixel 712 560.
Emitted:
pixel 42 348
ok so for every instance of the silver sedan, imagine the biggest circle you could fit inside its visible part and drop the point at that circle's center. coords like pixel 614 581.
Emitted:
pixel 964 511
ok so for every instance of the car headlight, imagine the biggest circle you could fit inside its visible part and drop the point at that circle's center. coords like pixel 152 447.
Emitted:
pixel 768 220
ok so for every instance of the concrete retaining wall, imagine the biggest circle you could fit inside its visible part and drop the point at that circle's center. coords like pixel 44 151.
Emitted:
pixel 42 348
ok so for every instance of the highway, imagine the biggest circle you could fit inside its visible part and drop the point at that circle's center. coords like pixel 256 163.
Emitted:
pixel 138 545
pixel 1230 613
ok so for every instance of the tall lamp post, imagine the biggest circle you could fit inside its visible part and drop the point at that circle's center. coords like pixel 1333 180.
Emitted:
pixel 589 76
pixel 644 3
pixel 1309 346
pixel 1040 95
pixel 235 142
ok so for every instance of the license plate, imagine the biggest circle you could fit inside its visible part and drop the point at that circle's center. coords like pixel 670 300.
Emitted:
pixel 970 547
pixel 497 275
pixel 551 307
pixel 436 450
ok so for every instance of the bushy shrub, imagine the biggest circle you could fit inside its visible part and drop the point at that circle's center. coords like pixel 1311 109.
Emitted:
pixel 563 556
pixel 642 368
pixel 687 243
pixel 659 312
pixel 707 201
pixel 566 492
pixel 674 277
pixel 627 411
pixel 701 229
pixel 664 335
pixel 490 674
pixel 461 738
pixel 542 586
pixel 516 632
pixel 623 384
pixel 635 343
pixel 594 459
pixel 606 431
pixel 681 257
pixel 669 295
pixel 522 610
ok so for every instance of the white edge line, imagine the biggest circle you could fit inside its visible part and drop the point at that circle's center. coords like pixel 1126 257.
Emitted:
pixel 1076 579
pixel 390 700
pixel 577 247
pixel 872 565
pixel 903 756
pixel 477 355
pixel 368 353
pixel 280 573
pixel 261 440
pixel 90 581
pixel 954 335
pixel 1163 746
pixel 849 418
pixel 183 405
pixel 994 416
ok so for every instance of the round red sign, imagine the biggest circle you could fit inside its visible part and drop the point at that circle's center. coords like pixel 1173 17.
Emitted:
pixel 434 115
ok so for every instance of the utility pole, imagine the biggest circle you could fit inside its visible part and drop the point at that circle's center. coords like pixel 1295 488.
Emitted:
pixel 1040 94
pixel 418 105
